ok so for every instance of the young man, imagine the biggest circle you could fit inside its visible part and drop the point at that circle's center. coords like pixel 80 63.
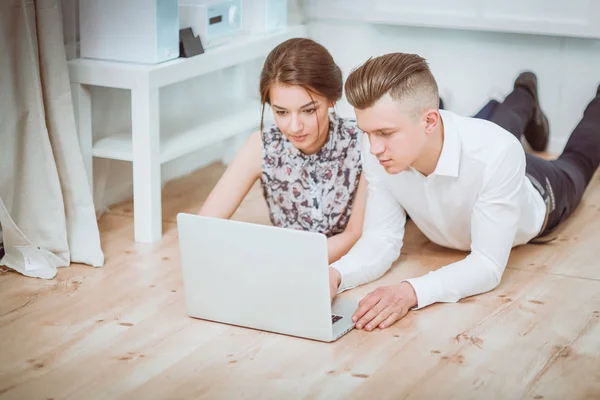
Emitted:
pixel 466 183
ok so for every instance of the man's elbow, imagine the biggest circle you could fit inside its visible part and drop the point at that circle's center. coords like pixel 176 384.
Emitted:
pixel 494 277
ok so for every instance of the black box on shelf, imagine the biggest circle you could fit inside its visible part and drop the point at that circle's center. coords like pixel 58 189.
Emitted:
pixel 189 44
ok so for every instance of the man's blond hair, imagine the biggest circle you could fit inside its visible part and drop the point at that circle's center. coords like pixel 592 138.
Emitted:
pixel 405 77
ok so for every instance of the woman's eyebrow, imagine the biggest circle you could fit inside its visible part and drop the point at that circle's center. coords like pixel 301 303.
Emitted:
pixel 304 106
pixel 312 103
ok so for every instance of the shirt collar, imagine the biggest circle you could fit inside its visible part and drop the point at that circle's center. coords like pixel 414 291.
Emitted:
pixel 449 162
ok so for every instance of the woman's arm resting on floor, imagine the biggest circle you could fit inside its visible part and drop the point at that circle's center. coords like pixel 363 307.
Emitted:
pixel 236 182
pixel 338 245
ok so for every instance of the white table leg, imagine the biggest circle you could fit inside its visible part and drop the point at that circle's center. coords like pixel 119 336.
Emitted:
pixel 82 105
pixel 147 206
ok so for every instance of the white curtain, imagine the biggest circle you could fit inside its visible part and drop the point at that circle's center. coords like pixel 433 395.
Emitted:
pixel 46 208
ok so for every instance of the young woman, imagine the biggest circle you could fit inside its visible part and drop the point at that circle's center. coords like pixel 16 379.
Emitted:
pixel 308 162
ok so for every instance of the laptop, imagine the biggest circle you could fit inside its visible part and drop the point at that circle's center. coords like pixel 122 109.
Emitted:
pixel 261 277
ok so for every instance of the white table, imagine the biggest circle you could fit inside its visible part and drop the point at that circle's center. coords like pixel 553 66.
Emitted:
pixel 144 146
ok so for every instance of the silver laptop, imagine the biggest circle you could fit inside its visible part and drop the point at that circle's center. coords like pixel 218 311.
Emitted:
pixel 261 277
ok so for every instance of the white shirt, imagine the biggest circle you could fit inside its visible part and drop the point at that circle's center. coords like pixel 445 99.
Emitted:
pixel 478 199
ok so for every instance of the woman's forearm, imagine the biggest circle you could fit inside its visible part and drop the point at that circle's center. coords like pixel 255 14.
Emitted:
pixel 338 245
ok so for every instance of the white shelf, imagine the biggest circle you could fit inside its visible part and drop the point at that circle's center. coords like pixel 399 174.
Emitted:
pixel 244 47
pixel 240 119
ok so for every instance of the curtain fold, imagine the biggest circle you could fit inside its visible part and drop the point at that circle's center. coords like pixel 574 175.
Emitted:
pixel 46 207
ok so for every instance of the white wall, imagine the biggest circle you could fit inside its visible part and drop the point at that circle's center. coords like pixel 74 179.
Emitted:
pixel 473 66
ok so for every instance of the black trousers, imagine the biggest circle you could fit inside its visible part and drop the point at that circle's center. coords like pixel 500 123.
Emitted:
pixel 563 181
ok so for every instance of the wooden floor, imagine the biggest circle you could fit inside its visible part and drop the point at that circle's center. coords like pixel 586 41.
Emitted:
pixel 121 331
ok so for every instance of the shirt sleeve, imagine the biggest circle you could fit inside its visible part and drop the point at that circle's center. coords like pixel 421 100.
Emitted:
pixel 494 222
pixel 382 236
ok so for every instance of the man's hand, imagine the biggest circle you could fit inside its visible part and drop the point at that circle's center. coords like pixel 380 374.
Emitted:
pixel 385 306
pixel 335 278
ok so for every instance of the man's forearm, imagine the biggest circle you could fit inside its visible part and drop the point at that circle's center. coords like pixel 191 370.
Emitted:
pixel 473 275
pixel 369 259
pixel 382 233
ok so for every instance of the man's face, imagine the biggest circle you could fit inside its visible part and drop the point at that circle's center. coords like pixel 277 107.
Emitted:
pixel 396 133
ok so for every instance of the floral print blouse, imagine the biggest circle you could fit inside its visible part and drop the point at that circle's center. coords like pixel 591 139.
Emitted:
pixel 312 192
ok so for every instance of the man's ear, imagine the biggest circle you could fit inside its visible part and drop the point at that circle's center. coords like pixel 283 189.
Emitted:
pixel 431 119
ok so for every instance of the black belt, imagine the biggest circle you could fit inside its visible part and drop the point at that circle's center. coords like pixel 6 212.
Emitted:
pixel 548 196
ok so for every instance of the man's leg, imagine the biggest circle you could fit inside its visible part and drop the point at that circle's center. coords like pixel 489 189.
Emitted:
pixel 520 113
pixel 566 178
pixel 514 113
pixel 487 111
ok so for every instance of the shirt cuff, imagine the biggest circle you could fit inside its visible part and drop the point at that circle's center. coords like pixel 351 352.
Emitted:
pixel 344 285
pixel 346 281
pixel 426 289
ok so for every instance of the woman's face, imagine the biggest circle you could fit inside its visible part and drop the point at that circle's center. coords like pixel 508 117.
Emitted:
pixel 301 116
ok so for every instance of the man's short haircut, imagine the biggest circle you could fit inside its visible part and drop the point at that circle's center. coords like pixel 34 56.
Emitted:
pixel 405 77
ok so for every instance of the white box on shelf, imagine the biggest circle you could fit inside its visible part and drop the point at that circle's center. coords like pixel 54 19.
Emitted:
pixel 136 31
pixel 264 15
pixel 215 21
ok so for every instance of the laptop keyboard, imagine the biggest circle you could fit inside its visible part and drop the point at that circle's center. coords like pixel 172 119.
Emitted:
pixel 335 318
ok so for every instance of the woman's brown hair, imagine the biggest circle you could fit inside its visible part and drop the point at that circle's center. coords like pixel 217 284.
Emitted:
pixel 300 62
